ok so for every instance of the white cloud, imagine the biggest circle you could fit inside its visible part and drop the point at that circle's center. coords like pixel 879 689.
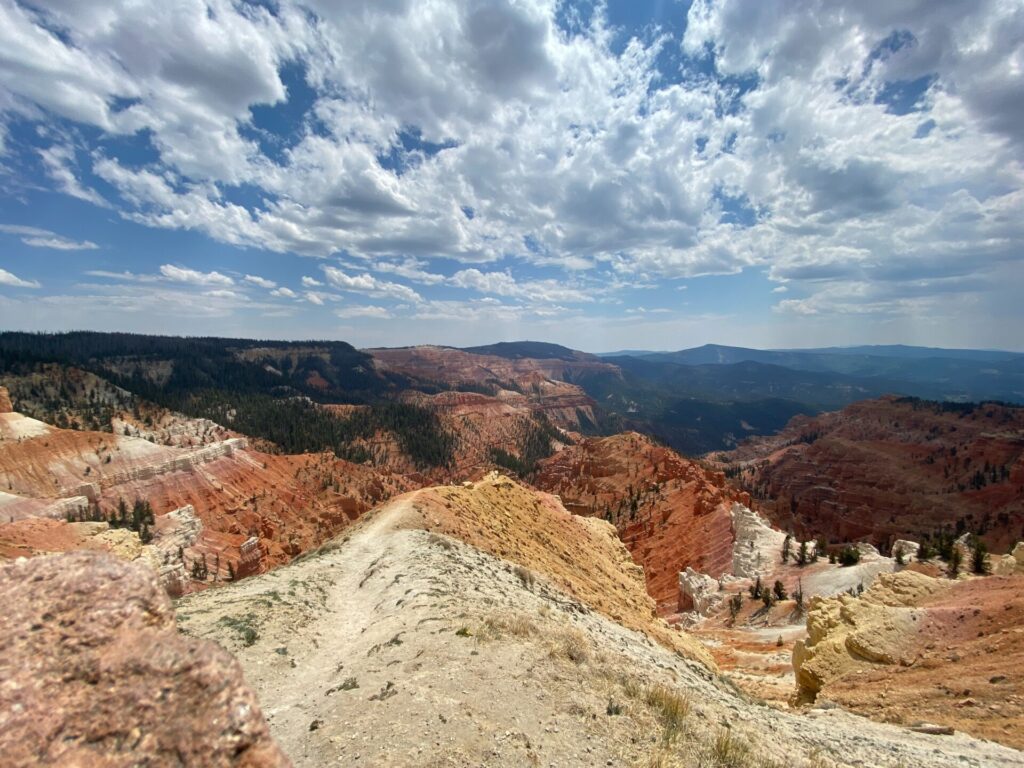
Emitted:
pixel 184 275
pixel 370 285
pixel 286 293
pixel 541 146
pixel 59 161
pixel 314 298
pixel 44 238
pixel 223 293
pixel 410 269
pixel 503 284
pixel 7 278
pixel 364 311
pixel 262 282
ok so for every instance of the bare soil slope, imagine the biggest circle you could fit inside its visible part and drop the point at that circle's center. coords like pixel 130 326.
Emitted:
pixel 396 646
pixel 914 647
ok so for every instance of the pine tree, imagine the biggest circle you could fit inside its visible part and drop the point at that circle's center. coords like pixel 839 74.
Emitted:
pixel 849 556
pixel 979 558
pixel 955 561
pixel 735 606
pixel 780 590
pixel 925 552
pixel 801 557
pixel 756 590
pixel 786 547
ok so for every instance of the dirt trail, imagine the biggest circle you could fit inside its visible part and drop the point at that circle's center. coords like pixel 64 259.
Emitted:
pixel 289 694
pixel 393 646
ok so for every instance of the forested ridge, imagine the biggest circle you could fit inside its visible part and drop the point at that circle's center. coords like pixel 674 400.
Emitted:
pixel 274 396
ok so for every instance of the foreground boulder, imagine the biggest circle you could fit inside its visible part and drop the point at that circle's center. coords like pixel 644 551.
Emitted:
pixel 95 674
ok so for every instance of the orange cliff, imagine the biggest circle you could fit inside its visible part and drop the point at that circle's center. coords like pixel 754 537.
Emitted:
pixel 670 512
pixel 276 505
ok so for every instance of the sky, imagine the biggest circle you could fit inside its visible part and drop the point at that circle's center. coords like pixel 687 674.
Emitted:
pixel 632 174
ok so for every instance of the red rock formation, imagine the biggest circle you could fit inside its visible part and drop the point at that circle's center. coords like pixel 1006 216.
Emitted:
pixel 671 513
pixel 290 503
pixel 95 674
pixel 542 384
pixel 891 468
pixel 250 560
pixel 479 423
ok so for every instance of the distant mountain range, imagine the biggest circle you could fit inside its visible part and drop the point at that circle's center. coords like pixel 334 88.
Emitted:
pixel 695 400
pixel 718 353
pixel 713 396
pixel 843 374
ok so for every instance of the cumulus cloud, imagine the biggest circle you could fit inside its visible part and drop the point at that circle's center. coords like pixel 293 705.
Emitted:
pixel 369 311
pixel 503 284
pixel 262 282
pixel 829 145
pixel 370 285
pixel 223 293
pixel 8 278
pixel 44 238
pixel 195 277
pixel 410 269
pixel 285 293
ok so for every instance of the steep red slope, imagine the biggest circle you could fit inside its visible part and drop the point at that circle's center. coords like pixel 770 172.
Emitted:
pixel 542 385
pixel 891 468
pixel 288 504
pixel 670 512
pixel 479 425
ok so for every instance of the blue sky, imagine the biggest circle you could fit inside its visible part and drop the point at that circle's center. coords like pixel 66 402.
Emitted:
pixel 624 175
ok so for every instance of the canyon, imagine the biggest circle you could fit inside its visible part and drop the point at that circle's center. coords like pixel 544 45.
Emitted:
pixel 671 513
pixel 282 505
pixel 421 570
pixel 891 468
pixel 438 631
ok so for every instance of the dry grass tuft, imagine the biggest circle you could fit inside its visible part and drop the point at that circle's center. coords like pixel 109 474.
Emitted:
pixel 525 576
pixel 515 624
pixel 671 707
pixel 632 688
pixel 661 757
pixel 574 646
pixel 731 751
